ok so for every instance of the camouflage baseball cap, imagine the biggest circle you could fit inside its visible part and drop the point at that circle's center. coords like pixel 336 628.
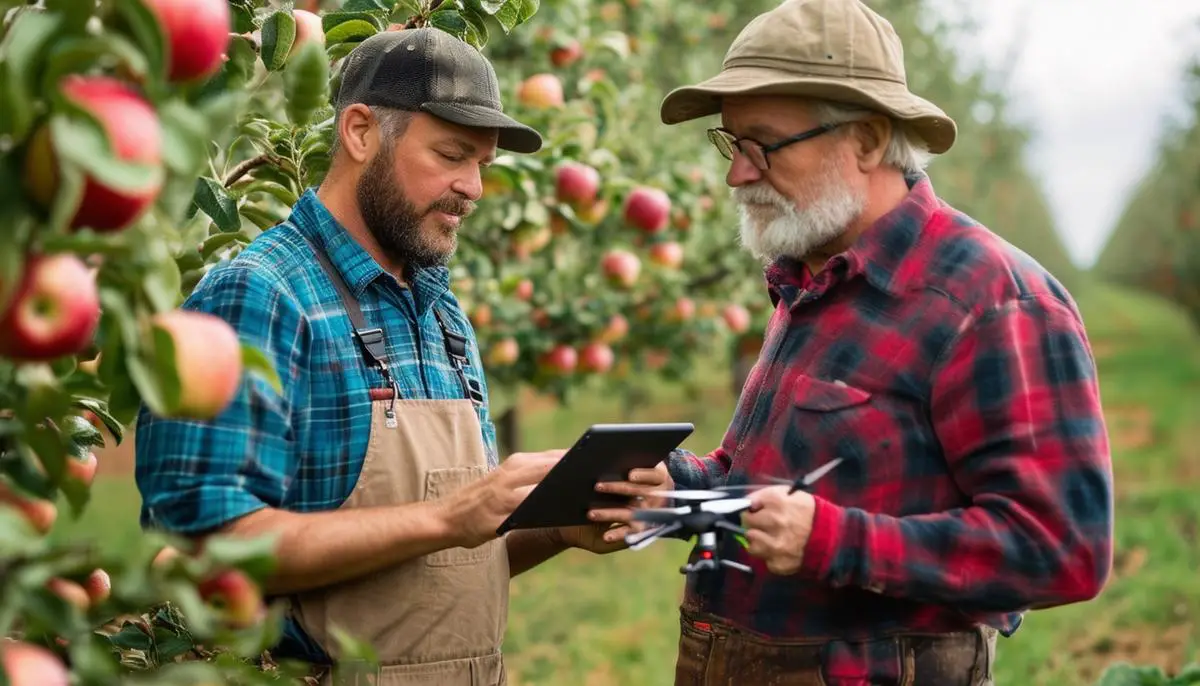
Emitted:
pixel 429 70
pixel 837 50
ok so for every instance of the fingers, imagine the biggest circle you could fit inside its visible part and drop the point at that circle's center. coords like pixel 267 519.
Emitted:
pixel 650 477
pixel 624 488
pixel 621 515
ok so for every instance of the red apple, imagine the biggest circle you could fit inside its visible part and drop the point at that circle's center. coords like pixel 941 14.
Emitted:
pixel 577 184
pixel 566 54
pixel 83 470
pixel 592 213
pixel 528 239
pixel 54 310
pixel 26 664
pixel 621 267
pixel 237 596
pixel 524 290
pixel 41 514
pixel 503 352
pixel 647 208
pixel 617 328
pixel 560 360
pixel 481 316
pixel 98 586
pixel 134 135
pixel 667 254
pixel 684 309
pixel 540 91
pixel 596 357
pixel 208 359
pixel 308 30
pixel 69 591
pixel 197 34
pixel 656 359
pixel 737 318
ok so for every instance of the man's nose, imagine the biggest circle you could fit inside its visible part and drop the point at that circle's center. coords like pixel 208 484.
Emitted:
pixel 741 171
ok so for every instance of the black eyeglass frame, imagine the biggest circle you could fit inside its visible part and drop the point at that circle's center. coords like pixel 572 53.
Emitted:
pixel 719 135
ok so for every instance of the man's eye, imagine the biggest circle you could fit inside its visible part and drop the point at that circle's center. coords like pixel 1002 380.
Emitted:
pixel 452 158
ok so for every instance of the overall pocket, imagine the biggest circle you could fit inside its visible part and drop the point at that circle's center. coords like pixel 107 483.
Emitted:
pixel 440 483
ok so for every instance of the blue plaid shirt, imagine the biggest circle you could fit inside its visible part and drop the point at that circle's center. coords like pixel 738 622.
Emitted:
pixel 300 450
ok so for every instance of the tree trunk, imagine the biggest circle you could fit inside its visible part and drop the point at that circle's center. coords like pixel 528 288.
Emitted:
pixel 508 431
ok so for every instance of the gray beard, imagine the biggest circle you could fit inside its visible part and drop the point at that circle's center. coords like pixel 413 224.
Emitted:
pixel 784 230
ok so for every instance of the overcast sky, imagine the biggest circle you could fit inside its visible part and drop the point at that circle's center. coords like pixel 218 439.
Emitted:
pixel 1095 78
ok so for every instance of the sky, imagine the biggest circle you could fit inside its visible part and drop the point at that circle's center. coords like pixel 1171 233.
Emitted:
pixel 1095 80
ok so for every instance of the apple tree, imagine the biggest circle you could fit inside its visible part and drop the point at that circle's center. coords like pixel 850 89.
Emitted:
pixel 139 140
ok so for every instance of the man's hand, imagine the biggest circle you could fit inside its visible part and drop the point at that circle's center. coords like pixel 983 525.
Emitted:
pixel 474 513
pixel 601 538
pixel 777 527
pixel 641 483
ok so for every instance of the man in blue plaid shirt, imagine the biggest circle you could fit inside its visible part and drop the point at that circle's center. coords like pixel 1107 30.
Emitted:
pixel 376 467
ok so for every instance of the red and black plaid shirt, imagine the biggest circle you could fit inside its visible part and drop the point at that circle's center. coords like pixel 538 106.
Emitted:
pixel 954 377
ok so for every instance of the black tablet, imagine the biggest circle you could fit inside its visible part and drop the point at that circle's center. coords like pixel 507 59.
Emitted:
pixel 605 452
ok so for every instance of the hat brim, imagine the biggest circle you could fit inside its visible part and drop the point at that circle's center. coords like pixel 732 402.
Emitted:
pixel 513 135
pixel 923 117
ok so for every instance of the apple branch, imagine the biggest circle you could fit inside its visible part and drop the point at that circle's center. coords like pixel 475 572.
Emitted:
pixel 250 165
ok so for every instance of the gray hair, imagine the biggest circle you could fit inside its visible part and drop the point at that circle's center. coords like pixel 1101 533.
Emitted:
pixel 392 122
pixel 904 152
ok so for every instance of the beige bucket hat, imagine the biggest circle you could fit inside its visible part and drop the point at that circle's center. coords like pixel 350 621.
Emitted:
pixel 838 50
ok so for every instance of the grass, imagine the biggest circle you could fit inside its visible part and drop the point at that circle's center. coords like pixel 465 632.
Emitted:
pixel 582 619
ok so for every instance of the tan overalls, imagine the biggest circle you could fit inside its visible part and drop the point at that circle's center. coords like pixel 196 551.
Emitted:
pixel 436 619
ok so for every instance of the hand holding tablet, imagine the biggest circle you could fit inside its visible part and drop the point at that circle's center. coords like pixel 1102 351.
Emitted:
pixel 605 452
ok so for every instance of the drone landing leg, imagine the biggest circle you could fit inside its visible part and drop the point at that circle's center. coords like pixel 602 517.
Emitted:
pixel 737 565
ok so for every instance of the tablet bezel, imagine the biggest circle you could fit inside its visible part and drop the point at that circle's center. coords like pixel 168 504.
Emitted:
pixel 604 452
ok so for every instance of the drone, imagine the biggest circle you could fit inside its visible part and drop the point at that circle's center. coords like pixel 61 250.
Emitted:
pixel 706 515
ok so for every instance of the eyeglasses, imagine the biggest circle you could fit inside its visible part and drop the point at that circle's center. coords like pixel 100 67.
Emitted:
pixel 726 143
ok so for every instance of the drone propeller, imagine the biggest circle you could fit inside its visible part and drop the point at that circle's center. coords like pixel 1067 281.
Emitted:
pixel 726 506
pixel 690 495
pixel 803 482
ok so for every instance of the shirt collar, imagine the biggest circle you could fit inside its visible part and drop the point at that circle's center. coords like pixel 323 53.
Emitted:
pixel 883 254
pixel 352 262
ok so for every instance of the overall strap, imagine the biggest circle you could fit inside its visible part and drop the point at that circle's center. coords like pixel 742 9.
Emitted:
pixel 371 340
pixel 456 350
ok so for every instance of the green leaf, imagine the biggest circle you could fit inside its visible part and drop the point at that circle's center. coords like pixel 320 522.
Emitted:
pixel 243 15
pixel 509 15
pixel 185 137
pixel 135 19
pixel 353 30
pixel 214 201
pixel 23 47
pixel 477 30
pixel 528 9
pixel 272 188
pixel 450 21
pixel 79 53
pixel 256 362
pixel 278 34
pixel 412 7
pixel 255 556
pixel 170 645
pixel 488 7
pixel 306 83
pixel 100 409
pixel 162 283
pixel 131 637
pixel 217 241
pixel 332 20
pixel 366 6
pixel 81 141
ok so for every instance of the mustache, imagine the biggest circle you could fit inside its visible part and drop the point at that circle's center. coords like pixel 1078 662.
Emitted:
pixel 759 194
pixel 457 205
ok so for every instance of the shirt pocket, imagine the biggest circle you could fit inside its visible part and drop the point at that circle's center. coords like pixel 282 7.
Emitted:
pixel 832 419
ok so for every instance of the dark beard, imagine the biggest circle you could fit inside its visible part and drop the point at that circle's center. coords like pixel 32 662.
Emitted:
pixel 396 223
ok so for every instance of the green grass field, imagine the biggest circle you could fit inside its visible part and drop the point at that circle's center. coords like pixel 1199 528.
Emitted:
pixel 582 619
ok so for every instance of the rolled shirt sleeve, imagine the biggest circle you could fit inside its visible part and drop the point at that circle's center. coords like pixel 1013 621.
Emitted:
pixel 198 475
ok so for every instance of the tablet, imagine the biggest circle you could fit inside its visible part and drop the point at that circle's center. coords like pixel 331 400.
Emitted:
pixel 605 452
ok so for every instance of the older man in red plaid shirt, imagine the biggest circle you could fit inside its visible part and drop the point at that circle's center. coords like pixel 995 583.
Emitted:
pixel 948 370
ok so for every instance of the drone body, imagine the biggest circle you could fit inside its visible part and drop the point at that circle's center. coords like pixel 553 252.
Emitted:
pixel 705 517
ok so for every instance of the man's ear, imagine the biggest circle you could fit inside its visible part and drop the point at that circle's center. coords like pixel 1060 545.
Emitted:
pixel 871 138
pixel 356 131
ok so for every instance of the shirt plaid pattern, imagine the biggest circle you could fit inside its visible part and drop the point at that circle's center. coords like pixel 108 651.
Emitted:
pixel 953 375
pixel 300 450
